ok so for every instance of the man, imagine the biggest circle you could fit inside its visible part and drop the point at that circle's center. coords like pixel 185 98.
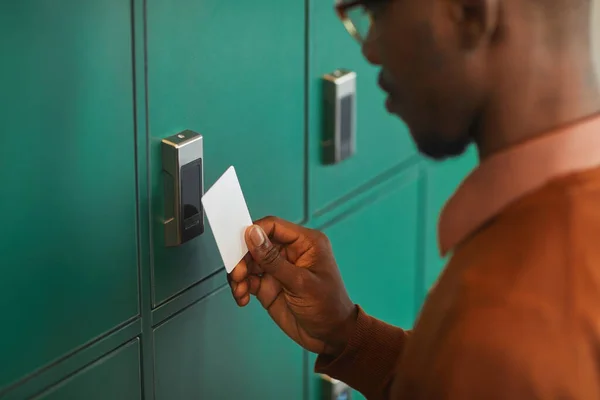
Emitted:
pixel 516 313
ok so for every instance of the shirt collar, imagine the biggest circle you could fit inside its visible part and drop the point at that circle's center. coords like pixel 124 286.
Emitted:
pixel 507 176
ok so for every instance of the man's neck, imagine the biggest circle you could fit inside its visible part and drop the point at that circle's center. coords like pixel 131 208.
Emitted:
pixel 536 91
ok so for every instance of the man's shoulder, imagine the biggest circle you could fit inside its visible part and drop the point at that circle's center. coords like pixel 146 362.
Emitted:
pixel 543 252
pixel 526 284
pixel 546 227
pixel 556 204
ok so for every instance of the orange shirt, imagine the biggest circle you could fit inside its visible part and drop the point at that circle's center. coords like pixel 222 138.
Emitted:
pixel 516 312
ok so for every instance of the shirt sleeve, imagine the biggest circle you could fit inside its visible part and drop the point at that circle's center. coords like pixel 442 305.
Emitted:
pixel 368 362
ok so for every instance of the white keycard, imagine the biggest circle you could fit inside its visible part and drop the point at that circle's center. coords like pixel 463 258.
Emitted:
pixel 228 216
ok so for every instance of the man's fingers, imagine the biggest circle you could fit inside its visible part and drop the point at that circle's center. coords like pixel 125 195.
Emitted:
pixel 238 281
pixel 254 284
pixel 279 230
pixel 265 288
pixel 243 302
pixel 254 268
pixel 240 272
pixel 270 259
pixel 295 240
pixel 239 290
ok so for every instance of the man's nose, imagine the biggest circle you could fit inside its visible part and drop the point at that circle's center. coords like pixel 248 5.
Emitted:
pixel 370 50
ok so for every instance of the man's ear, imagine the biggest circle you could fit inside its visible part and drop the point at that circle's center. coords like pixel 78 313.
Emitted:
pixel 476 21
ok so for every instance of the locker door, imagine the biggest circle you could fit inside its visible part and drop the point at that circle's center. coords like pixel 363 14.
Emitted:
pixel 234 72
pixel 376 247
pixel 68 267
pixel 214 350
pixel 116 376
pixel 382 140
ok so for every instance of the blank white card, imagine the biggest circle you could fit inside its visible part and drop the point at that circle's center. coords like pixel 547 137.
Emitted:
pixel 228 216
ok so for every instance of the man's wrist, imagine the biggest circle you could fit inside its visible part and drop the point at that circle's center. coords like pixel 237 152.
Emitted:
pixel 342 334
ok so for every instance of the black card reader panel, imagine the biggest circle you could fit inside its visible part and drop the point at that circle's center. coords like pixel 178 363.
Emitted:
pixel 191 200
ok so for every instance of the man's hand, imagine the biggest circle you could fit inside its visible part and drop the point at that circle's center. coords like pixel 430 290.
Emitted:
pixel 292 272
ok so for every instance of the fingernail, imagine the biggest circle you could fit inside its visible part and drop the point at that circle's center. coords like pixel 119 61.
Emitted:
pixel 257 236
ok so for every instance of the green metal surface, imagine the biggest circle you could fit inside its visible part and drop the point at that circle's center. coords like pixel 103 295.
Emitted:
pixel 71 365
pixel 378 254
pixel 377 251
pixel 382 141
pixel 216 351
pixel 68 235
pixel 236 75
pixel 116 376
pixel 242 76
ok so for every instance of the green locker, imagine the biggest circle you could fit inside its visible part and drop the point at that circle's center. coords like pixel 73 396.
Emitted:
pixel 214 350
pixel 68 244
pixel 116 376
pixel 382 140
pixel 235 74
pixel 89 89
pixel 376 247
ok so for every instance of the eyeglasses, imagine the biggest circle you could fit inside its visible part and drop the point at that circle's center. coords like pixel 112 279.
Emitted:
pixel 356 18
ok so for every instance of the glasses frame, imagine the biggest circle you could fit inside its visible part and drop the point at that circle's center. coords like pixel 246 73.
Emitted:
pixel 342 8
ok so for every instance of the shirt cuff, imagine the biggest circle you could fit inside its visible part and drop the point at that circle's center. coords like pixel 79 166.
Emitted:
pixel 369 360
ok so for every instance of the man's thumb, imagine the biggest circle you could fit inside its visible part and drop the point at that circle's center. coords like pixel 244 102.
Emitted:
pixel 269 256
